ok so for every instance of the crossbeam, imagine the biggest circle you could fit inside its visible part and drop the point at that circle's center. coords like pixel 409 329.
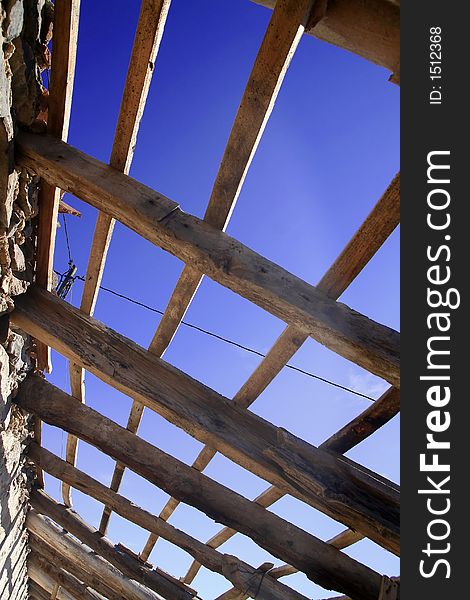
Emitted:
pixel 369 28
pixel 357 430
pixel 87 561
pixel 154 579
pixel 373 346
pixel 319 561
pixel 336 486
pixel 243 576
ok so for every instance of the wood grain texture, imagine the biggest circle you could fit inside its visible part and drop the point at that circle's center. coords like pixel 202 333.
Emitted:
pixel 340 541
pixel 319 561
pixel 369 28
pixel 86 560
pixel 42 548
pixel 332 484
pixel 235 570
pixel 357 430
pixel 154 579
pixel 371 345
pixel 149 32
pixel 47 575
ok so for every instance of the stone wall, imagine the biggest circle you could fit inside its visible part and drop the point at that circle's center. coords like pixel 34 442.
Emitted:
pixel 25 29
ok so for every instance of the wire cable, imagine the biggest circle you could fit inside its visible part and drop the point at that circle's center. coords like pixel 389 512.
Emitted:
pixel 233 343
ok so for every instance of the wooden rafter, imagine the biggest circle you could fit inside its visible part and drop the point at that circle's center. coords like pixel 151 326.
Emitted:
pixel 369 28
pixel 272 61
pixel 318 560
pixel 49 577
pixel 154 579
pixel 357 499
pixel 149 32
pixel 64 49
pixel 373 232
pixel 89 565
pixel 356 431
pixel 371 345
pixel 238 572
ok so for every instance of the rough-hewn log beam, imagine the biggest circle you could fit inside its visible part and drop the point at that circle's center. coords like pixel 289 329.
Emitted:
pixel 333 484
pixel 67 563
pixel 86 560
pixel 47 574
pixel 154 579
pixel 235 570
pixel 272 61
pixel 357 430
pixel 319 561
pixel 149 32
pixel 369 28
pixel 340 541
pixel 367 240
pixel 373 346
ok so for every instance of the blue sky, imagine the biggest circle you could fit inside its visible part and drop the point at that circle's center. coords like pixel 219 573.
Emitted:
pixel 330 149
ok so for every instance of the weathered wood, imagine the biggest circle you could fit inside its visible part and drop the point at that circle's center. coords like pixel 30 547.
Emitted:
pixel 367 240
pixel 235 570
pixel 46 573
pixel 369 28
pixel 334 485
pixel 371 345
pixel 87 560
pixel 91 578
pixel 149 32
pixel 319 561
pixel 64 44
pixel 41 586
pixel 376 415
pixel 154 579
pixel 69 210
pixel 272 61
pixel 342 540
pixel 357 430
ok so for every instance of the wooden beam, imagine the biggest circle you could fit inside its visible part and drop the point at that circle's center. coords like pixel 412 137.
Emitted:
pixel 87 560
pixel 340 541
pixel 69 210
pixel 334 485
pixel 272 61
pixel 319 561
pixel 357 430
pixel 64 49
pixel 149 32
pixel 41 586
pixel 369 28
pixel 154 579
pixel 48 575
pixel 238 572
pixel 68 564
pixel 364 244
pixel 373 346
